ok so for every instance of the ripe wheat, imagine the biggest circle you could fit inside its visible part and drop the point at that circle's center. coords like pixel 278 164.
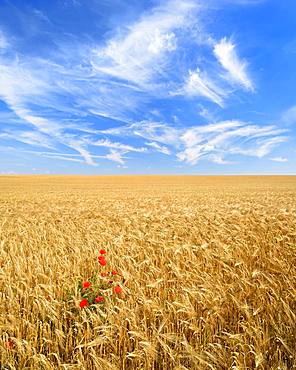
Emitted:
pixel 208 267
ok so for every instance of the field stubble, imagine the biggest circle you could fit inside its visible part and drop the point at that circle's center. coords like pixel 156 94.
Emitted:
pixel 208 262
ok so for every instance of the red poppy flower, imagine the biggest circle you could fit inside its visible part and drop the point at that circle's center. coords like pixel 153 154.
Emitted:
pixel 117 289
pixel 83 303
pixel 99 299
pixel 103 274
pixel 86 284
pixel 102 261
pixel 114 272
pixel 100 257
pixel 102 251
pixel 9 344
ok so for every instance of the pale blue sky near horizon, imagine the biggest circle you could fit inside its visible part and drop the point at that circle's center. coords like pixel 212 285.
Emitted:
pixel 147 87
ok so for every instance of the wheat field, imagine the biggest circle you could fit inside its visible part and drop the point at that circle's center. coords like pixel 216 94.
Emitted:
pixel 207 267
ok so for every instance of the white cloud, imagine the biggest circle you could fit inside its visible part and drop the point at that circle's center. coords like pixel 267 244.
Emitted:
pixel 162 42
pixel 112 156
pixel 3 42
pixel 289 116
pixel 20 85
pixel 213 142
pixel 42 124
pixel 199 84
pixel 261 148
pixel 153 131
pixel 34 138
pixel 115 156
pixel 17 81
pixel 160 148
pixel 41 15
pixel 142 53
pixel 119 146
pixel 279 159
pixel 215 158
pixel 117 82
pixel 193 154
pixel 225 52
pixel 207 114
pixel 78 146
pixel 63 158
pixel 196 135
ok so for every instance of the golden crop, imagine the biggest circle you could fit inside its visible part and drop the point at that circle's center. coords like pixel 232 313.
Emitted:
pixel 209 265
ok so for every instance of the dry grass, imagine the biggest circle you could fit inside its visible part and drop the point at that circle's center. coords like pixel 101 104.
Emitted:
pixel 209 263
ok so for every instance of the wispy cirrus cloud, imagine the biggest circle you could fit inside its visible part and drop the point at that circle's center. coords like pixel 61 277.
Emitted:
pixel 279 159
pixel 142 53
pixel 3 42
pixel 260 147
pixel 93 87
pixel 153 131
pixel 212 83
pixel 34 138
pixel 160 148
pixel 33 91
pixel 113 156
pixel 225 52
pixel 106 143
pixel 153 61
pixel 218 159
pixel 60 157
pixel 199 84
pixel 289 116
pixel 214 142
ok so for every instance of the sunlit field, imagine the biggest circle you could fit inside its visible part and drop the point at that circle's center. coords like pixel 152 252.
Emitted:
pixel 204 272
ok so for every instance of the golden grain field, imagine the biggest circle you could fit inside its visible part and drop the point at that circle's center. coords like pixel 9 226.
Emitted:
pixel 209 269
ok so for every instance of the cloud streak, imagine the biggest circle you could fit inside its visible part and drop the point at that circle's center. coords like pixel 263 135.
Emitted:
pixel 199 84
pixel 289 116
pixel 213 142
pixel 279 159
pixel 225 52
pixel 142 54
pixel 80 96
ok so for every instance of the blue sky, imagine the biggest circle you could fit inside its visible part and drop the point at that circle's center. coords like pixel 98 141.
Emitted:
pixel 134 86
